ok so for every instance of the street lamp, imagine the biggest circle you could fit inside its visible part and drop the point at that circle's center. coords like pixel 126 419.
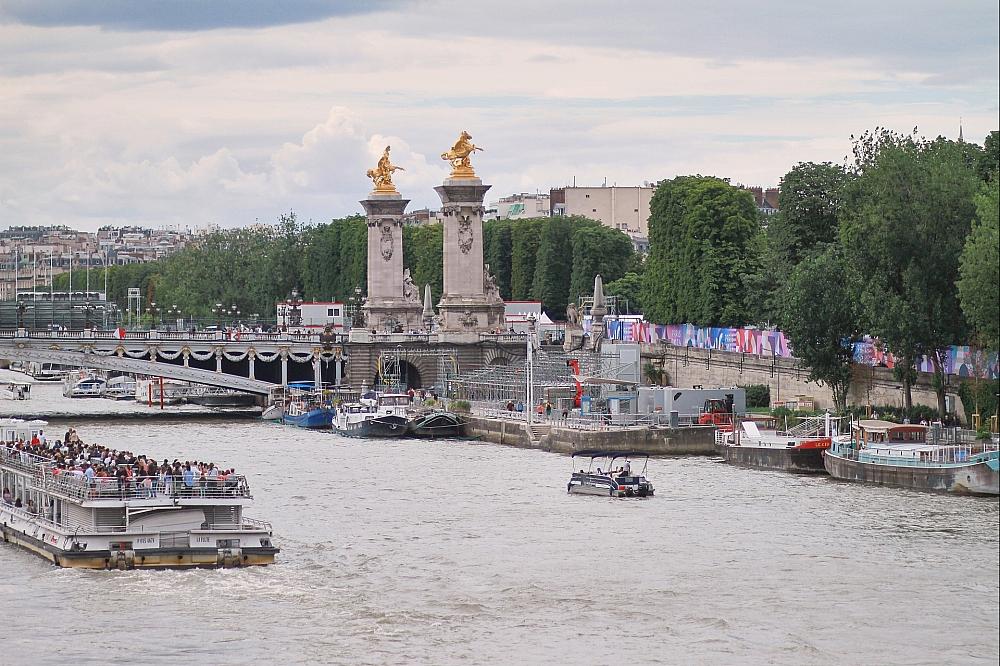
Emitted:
pixel 295 309
pixel 174 313
pixel 529 370
pixel 357 315
pixel 21 307
pixel 217 314
pixel 88 310
pixel 154 314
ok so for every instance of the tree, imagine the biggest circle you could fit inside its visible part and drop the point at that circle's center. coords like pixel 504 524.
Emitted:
pixel 809 202
pixel 906 216
pixel 525 238
pixel 497 249
pixel 628 289
pixel 597 250
pixel 989 160
pixel 554 265
pixel 699 231
pixel 980 268
pixel 423 249
pixel 820 318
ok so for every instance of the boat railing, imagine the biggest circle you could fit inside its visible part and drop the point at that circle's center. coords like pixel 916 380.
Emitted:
pixel 953 454
pixel 244 525
pixel 22 460
pixel 142 487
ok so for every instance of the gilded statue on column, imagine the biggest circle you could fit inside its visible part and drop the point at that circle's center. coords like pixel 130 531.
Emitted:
pixel 381 175
pixel 461 166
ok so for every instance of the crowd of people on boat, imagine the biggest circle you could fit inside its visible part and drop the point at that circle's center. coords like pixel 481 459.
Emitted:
pixel 108 472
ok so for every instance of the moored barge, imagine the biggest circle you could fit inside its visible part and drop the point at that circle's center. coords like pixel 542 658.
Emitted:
pixel 799 450
pixel 894 454
pixel 123 521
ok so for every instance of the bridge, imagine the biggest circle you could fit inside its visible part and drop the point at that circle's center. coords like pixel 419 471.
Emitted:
pixel 258 362
pixel 211 358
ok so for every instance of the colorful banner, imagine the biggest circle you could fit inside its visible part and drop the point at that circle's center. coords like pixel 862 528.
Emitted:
pixel 958 360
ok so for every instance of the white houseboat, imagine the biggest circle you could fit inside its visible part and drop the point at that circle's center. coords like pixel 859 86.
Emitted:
pixel 107 523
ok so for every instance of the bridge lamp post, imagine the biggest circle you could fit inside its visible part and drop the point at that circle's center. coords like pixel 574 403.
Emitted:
pixel 283 313
pixel 217 315
pixel 88 311
pixel 529 369
pixel 154 314
pixel 295 311
pixel 21 307
pixel 174 313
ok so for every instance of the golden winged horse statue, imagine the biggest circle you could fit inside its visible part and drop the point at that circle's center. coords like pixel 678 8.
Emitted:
pixel 461 166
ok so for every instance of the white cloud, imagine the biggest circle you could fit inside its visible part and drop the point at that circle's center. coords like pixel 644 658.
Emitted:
pixel 231 125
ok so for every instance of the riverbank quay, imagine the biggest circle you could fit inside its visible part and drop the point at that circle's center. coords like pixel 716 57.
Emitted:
pixel 568 436
pixel 785 377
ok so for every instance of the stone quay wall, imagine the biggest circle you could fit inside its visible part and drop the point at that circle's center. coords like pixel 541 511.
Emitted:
pixel 658 441
pixel 786 377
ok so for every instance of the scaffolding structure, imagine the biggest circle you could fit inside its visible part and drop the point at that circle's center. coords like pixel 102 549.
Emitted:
pixel 554 376
pixel 393 365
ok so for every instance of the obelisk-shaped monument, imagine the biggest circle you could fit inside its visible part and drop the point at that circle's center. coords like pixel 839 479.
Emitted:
pixel 393 302
pixel 470 301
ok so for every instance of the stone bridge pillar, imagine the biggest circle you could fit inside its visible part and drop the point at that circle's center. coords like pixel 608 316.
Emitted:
pixel 470 301
pixel 393 303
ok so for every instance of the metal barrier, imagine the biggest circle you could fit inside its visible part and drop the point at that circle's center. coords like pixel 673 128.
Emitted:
pixel 141 487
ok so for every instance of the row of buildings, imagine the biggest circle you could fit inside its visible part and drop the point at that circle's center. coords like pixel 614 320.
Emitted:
pixel 32 256
pixel 618 207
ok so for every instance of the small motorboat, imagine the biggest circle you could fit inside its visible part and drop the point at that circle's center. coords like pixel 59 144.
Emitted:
pixel 602 477
pixel 16 391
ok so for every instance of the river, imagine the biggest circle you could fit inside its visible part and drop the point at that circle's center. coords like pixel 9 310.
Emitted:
pixel 449 552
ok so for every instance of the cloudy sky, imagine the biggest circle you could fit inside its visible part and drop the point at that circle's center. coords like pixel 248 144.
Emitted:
pixel 190 113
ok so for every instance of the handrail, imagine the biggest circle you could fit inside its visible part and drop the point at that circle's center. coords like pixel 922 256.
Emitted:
pixel 245 524
pixel 137 488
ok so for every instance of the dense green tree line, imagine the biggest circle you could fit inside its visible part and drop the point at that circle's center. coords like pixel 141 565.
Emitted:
pixel 554 260
pixel 901 243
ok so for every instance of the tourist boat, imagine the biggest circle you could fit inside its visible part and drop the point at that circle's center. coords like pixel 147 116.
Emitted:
pixel 96 524
pixel 83 384
pixel 385 415
pixel 894 454
pixel 308 411
pixel 436 424
pixel 798 449
pixel 48 372
pixel 16 391
pixel 603 478
pixel 119 388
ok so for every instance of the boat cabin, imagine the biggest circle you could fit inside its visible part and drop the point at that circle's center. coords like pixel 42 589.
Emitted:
pixel 872 432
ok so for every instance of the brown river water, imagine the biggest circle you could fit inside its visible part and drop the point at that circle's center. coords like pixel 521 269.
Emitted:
pixel 451 552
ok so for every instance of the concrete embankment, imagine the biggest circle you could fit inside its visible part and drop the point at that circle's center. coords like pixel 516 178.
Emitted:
pixel 694 440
